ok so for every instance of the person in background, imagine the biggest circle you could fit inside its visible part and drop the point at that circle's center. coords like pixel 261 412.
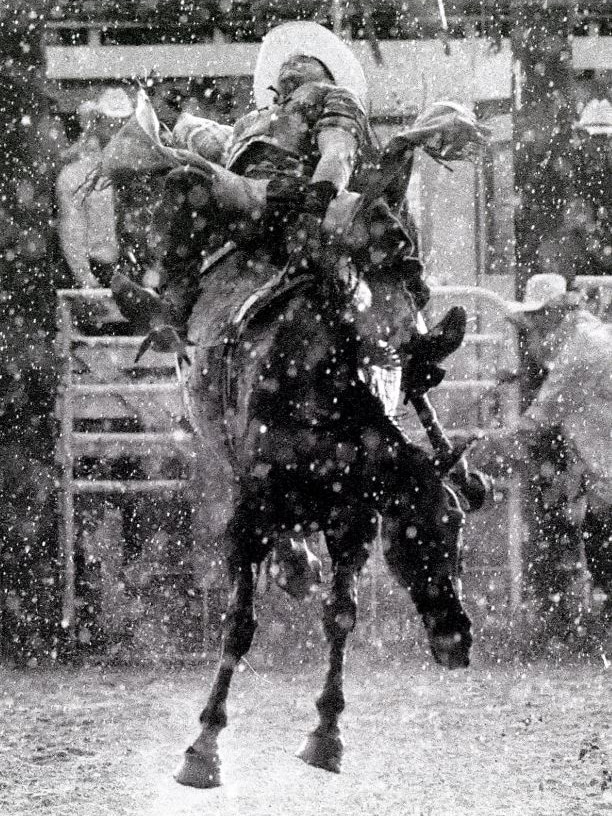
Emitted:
pixel 87 223
pixel 562 444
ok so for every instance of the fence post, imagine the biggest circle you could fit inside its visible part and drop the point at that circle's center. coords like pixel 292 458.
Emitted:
pixel 67 528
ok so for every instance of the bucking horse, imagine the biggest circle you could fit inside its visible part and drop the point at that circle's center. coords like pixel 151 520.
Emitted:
pixel 294 442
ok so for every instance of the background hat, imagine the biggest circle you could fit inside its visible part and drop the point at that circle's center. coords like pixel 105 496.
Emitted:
pixel 596 118
pixel 114 103
pixel 311 40
pixel 540 289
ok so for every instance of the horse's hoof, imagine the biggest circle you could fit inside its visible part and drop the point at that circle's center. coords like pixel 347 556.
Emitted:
pixel 322 751
pixel 451 651
pixel 199 770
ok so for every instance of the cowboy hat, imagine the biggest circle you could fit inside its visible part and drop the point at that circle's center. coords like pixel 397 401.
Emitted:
pixel 114 103
pixel 310 40
pixel 596 118
pixel 540 289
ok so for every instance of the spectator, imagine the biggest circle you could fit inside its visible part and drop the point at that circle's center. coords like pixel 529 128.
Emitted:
pixel 567 427
pixel 87 219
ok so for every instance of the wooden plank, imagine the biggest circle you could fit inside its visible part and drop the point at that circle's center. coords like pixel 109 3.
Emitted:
pixel 131 61
pixel 592 53
pixel 413 71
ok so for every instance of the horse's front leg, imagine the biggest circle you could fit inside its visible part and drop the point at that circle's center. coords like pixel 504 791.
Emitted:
pixel 324 746
pixel 201 765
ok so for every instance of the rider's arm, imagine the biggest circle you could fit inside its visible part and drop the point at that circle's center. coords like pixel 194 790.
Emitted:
pixel 340 131
pixel 445 129
pixel 338 148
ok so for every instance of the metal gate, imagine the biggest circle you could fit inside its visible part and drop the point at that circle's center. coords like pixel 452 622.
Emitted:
pixel 101 389
pixel 99 381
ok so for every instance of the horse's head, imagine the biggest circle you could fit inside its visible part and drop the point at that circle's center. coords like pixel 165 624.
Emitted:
pixel 426 558
pixel 448 627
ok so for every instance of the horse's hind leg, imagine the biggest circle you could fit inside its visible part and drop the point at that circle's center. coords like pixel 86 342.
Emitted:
pixel 201 764
pixel 324 746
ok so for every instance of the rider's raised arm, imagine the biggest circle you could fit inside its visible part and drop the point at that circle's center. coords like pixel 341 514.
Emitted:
pixel 207 138
pixel 338 149
pixel 341 131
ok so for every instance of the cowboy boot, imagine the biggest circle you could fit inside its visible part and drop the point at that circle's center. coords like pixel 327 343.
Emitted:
pixel 142 307
pixel 150 314
pixel 473 485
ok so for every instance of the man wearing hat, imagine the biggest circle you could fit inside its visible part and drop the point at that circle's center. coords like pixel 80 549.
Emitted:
pixel 276 173
pixel 564 441
pixel 88 223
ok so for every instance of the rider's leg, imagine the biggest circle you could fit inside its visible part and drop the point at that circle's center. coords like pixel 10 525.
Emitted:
pixel 199 213
pixel 204 212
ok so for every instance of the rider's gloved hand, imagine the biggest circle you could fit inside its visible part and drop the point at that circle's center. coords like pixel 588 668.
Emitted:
pixel 450 131
pixel 286 193
pixel 318 196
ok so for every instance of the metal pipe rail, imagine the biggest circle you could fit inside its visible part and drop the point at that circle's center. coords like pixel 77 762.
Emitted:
pixel 107 486
pixel 73 443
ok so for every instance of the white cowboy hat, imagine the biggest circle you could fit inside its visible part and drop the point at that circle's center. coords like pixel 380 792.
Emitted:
pixel 596 118
pixel 311 40
pixel 540 289
pixel 114 103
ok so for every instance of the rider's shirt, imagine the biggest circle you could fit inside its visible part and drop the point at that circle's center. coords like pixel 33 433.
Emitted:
pixel 285 135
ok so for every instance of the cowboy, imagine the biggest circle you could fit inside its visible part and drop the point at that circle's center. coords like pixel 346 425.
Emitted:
pixel 564 436
pixel 87 224
pixel 284 170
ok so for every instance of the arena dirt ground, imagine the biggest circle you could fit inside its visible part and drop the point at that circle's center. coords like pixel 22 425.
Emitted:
pixel 518 740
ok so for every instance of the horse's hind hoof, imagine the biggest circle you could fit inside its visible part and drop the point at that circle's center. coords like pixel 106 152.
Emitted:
pixel 199 770
pixel 322 751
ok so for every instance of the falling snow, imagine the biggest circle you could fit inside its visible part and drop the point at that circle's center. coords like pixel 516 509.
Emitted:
pixel 113 598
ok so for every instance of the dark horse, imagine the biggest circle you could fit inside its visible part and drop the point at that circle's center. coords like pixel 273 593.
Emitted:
pixel 308 448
